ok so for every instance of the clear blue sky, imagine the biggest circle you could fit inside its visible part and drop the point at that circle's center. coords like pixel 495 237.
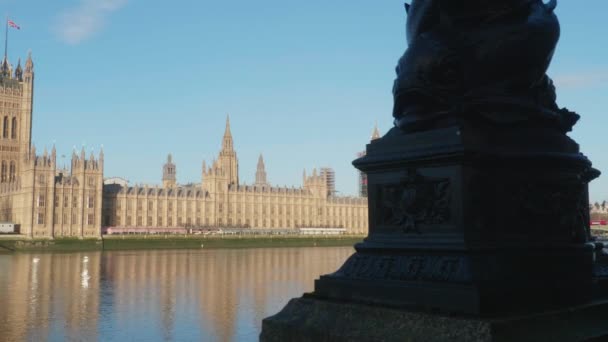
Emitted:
pixel 303 81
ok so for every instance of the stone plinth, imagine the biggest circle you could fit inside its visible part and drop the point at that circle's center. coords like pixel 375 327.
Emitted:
pixel 465 220
pixel 311 319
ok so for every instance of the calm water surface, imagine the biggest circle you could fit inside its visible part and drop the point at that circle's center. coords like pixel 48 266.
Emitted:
pixel 180 295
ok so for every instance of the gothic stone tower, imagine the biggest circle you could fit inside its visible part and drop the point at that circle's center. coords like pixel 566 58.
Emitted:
pixel 221 177
pixel 227 158
pixel 39 198
pixel 16 95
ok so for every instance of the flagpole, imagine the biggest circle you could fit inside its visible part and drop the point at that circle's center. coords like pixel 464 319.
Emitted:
pixel 6 38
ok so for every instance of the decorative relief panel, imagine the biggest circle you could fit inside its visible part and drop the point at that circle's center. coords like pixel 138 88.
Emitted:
pixel 551 210
pixel 415 200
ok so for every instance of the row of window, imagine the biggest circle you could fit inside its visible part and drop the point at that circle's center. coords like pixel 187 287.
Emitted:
pixel 9 105
pixel 199 222
pixel 279 200
pixel 12 124
pixel 8 171
pixel 66 232
pixel 257 209
pixel 66 219
pixel 90 201
pixel 42 179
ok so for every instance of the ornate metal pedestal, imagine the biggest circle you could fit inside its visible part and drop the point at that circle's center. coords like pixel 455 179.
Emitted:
pixel 464 219
pixel 478 200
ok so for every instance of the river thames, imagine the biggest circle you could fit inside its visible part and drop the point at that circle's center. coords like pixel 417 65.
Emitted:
pixel 163 295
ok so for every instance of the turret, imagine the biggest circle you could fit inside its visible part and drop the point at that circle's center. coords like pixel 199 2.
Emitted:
pixel 169 173
pixel 5 68
pixel 19 72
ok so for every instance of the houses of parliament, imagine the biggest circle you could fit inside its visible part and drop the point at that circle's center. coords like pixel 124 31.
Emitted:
pixel 46 201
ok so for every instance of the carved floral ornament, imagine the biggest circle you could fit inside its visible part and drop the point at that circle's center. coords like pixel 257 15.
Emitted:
pixel 416 200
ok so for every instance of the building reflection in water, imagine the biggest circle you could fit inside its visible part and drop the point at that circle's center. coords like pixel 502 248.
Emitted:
pixel 214 295
pixel 42 297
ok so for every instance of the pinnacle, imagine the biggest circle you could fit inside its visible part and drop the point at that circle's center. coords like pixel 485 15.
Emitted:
pixel 375 132
pixel 227 132
pixel 227 140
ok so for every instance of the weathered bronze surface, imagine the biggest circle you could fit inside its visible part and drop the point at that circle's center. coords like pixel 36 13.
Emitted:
pixel 482 59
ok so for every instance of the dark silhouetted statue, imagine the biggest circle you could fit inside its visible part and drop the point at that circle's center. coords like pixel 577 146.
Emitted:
pixel 484 58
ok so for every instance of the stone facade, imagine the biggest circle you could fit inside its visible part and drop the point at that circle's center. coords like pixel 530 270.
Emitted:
pixel 221 201
pixel 42 200
pixel 46 201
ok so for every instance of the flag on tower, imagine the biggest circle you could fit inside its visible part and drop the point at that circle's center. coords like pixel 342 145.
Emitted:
pixel 12 24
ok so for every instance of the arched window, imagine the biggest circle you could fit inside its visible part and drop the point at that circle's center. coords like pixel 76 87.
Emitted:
pixel 3 172
pixel 14 129
pixel 12 171
pixel 5 128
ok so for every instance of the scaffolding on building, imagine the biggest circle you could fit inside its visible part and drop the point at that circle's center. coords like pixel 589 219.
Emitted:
pixel 330 179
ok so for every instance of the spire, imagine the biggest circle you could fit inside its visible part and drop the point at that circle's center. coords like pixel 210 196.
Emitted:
pixel 82 153
pixel 227 140
pixel 29 64
pixel 227 131
pixel 260 173
pixel 19 71
pixel 375 132
pixel 101 154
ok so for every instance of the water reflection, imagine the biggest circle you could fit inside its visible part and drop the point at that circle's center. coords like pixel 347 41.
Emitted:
pixel 210 295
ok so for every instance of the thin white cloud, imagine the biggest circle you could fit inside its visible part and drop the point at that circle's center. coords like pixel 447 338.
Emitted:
pixel 79 23
pixel 583 79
